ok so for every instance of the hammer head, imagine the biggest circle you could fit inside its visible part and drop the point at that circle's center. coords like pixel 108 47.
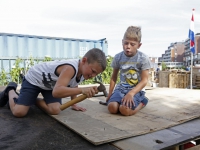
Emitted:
pixel 102 88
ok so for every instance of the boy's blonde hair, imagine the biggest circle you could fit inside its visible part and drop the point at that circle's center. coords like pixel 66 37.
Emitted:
pixel 133 33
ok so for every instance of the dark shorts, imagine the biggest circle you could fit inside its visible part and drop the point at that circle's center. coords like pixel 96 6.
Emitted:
pixel 29 93
pixel 119 93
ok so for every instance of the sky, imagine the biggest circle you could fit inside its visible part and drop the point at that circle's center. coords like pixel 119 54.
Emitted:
pixel 162 22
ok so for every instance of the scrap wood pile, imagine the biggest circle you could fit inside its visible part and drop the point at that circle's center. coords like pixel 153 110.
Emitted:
pixel 179 79
pixel 174 78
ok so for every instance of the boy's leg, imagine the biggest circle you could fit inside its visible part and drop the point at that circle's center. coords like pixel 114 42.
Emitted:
pixel 20 104
pixel 144 101
pixel 50 104
pixel 17 110
pixel 52 108
pixel 113 107
pixel 128 111
pixel 115 101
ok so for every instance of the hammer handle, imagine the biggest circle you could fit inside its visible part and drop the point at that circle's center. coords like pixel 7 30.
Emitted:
pixel 74 101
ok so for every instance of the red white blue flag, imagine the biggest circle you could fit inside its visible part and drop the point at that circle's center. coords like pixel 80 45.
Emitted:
pixel 191 34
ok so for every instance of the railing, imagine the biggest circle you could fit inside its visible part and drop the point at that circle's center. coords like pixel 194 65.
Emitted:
pixel 174 64
pixel 7 63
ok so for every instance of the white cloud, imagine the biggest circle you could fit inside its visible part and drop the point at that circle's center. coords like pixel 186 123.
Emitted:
pixel 162 22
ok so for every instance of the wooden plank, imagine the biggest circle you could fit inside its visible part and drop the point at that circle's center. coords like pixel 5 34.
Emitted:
pixel 164 139
pixel 164 78
pixel 94 130
pixel 188 131
pixel 167 107
pixel 147 141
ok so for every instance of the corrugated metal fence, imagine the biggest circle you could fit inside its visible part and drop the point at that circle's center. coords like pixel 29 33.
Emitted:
pixel 13 46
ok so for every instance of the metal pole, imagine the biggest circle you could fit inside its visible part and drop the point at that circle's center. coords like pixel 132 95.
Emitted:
pixel 191 70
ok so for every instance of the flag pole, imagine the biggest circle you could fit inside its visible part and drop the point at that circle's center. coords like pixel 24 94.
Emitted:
pixel 192 44
pixel 191 66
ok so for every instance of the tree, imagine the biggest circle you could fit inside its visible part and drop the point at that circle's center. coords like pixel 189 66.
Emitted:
pixel 164 66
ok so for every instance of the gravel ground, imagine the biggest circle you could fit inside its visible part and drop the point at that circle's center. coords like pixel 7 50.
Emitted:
pixel 38 131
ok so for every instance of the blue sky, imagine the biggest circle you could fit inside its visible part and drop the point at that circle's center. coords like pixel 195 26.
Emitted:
pixel 162 22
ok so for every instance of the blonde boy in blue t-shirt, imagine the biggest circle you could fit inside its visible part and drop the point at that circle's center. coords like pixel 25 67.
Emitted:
pixel 129 95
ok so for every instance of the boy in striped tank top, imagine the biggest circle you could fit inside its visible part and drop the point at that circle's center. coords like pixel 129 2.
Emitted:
pixel 54 80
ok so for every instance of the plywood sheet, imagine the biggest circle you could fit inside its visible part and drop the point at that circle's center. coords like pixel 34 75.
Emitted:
pixel 163 139
pixel 166 108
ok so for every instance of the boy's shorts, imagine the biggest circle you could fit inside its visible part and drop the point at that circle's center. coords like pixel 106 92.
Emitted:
pixel 119 93
pixel 29 93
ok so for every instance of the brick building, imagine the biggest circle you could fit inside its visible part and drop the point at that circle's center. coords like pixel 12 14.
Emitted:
pixel 173 56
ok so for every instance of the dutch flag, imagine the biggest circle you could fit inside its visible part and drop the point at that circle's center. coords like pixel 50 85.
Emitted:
pixel 191 34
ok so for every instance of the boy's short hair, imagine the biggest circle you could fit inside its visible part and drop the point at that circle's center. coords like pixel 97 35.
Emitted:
pixel 96 55
pixel 133 33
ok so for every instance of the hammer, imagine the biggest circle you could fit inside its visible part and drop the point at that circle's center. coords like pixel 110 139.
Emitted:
pixel 101 88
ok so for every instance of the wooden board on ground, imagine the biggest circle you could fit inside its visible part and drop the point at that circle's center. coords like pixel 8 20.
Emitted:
pixel 166 108
pixel 163 139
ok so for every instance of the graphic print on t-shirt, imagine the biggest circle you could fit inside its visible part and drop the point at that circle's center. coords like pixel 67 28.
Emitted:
pixel 48 82
pixel 131 76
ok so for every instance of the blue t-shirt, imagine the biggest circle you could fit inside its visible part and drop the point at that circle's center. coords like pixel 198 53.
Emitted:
pixel 130 67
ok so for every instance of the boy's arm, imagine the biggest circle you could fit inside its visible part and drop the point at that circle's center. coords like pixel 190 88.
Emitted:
pixel 112 82
pixel 141 84
pixel 60 90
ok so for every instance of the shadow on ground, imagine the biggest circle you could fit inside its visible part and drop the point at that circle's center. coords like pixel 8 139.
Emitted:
pixel 38 131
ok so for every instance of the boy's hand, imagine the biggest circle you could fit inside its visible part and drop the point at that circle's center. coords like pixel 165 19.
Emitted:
pixel 127 101
pixel 90 91
pixel 78 108
pixel 108 97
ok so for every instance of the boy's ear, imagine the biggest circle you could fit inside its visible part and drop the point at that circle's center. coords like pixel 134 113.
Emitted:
pixel 84 59
pixel 139 45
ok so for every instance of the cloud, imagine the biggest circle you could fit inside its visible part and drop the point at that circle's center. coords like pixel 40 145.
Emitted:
pixel 162 22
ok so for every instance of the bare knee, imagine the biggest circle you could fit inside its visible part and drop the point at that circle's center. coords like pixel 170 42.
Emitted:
pixel 54 110
pixel 19 110
pixel 126 111
pixel 19 113
pixel 113 107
